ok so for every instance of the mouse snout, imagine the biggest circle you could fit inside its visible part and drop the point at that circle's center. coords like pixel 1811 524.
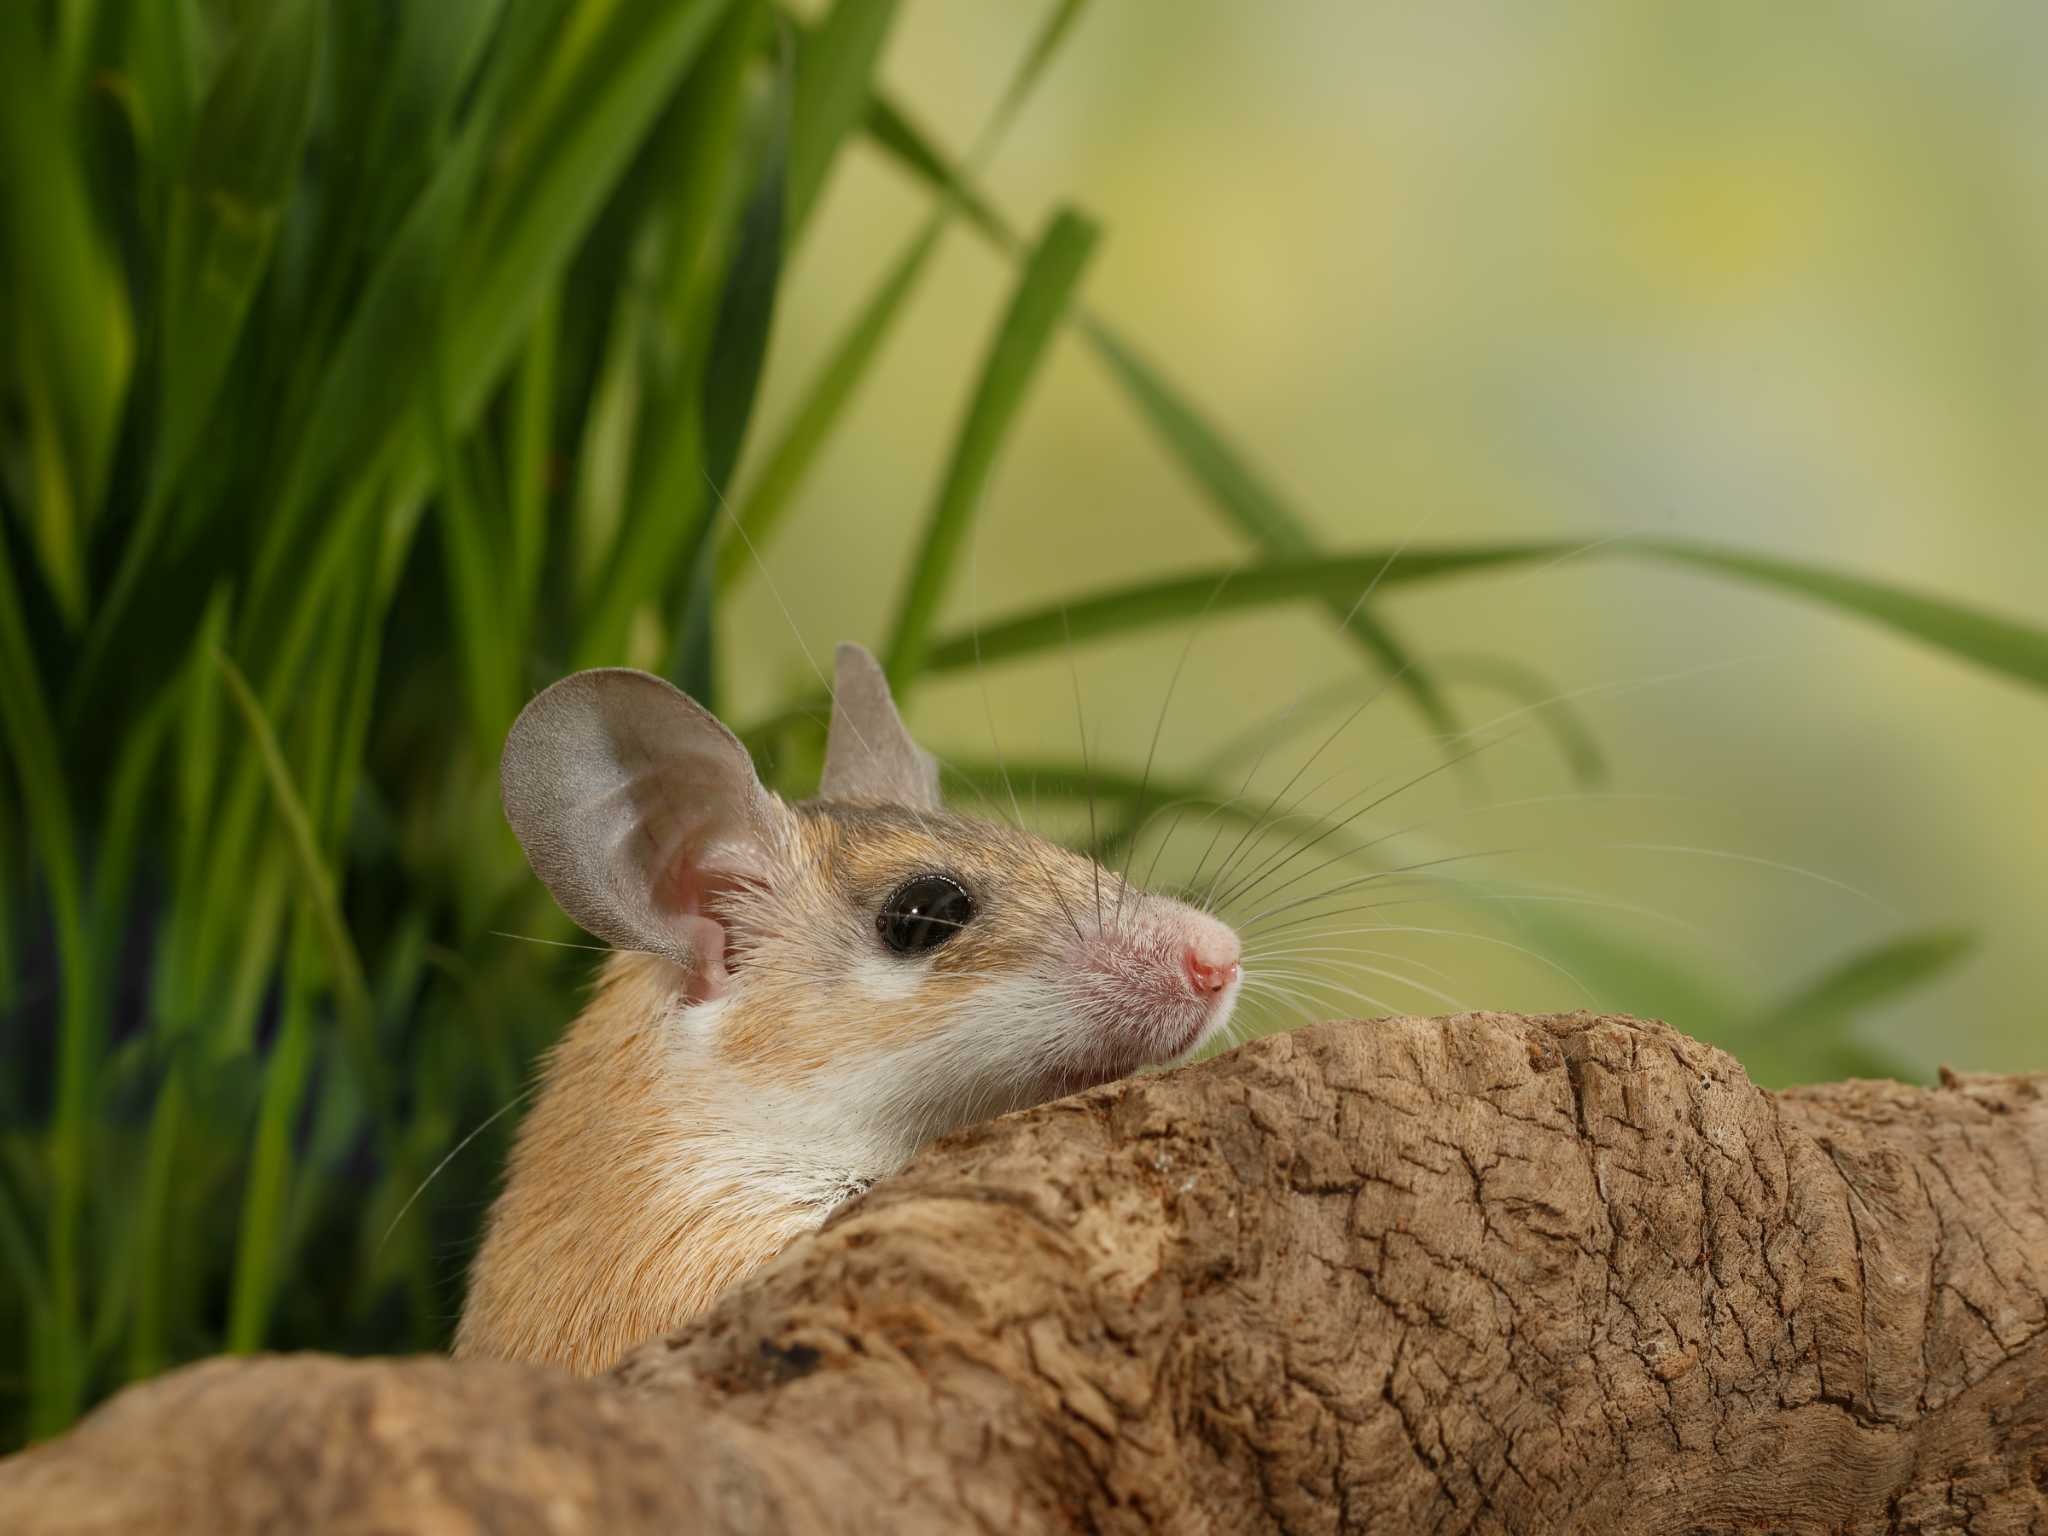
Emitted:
pixel 1210 972
pixel 1211 960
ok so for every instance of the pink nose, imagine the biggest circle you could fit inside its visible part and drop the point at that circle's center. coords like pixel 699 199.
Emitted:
pixel 1207 978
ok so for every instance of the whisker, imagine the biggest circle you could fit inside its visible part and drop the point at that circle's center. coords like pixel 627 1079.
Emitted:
pixel 1461 933
pixel 1087 772
pixel 1251 923
pixel 1344 951
pixel 1352 992
pixel 1159 726
pixel 1505 893
pixel 1345 623
pixel 413 1198
pixel 1750 858
pixel 989 713
pixel 1243 887
pixel 1462 814
pixel 601 949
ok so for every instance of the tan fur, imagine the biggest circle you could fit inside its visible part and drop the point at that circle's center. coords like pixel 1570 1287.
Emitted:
pixel 801 1011
pixel 649 1176
pixel 589 1250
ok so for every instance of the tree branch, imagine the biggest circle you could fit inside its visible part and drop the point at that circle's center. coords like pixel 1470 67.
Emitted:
pixel 1481 1273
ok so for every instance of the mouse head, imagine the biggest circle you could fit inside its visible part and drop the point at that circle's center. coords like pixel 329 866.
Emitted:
pixel 866 954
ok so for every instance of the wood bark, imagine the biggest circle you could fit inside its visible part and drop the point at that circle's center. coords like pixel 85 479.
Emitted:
pixel 1483 1273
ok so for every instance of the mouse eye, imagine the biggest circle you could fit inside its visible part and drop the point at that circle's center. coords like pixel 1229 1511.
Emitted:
pixel 923 913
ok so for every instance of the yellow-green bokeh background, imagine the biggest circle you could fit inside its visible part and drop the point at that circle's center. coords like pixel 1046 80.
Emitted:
pixel 1764 275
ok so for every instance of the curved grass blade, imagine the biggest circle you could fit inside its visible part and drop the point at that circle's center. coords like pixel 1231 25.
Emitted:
pixel 793 453
pixel 1869 979
pixel 1146 604
pixel 732 381
pixel 1546 703
pixel 835 61
pixel 225 213
pixel 161 55
pixel 70 343
pixel 292 1054
pixel 606 116
pixel 746 307
pixel 1998 644
pixel 20 1252
pixel 1811 1035
pixel 824 402
pixel 512 254
pixel 530 462
pixel 659 408
pixel 33 747
pixel 321 899
pixel 1039 302
pixel 898 136
pixel 389 334
pixel 260 1241
pixel 1202 451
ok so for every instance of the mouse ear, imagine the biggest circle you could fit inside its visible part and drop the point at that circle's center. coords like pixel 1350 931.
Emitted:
pixel 868 754
pixel 633 803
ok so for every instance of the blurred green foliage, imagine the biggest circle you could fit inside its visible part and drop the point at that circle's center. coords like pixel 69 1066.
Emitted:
pixel 366 367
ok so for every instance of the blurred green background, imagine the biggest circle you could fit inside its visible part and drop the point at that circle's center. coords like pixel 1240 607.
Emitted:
pixel 1656 386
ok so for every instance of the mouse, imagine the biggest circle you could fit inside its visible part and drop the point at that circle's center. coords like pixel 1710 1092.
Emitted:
pixel 800 995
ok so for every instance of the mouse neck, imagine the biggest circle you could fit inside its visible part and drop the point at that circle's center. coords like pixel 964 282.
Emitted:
pixel 645 1180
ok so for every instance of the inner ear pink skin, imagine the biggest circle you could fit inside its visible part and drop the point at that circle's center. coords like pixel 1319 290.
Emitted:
pixel 687 898
pixel 709 978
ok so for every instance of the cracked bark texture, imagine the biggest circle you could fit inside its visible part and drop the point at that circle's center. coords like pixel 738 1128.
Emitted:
pixel 1483 1273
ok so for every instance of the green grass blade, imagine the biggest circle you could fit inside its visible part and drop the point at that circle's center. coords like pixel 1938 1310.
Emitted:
pixel 70 344
pixel 318 887
pixel 899 137
pixel 161 58
pixel 268 1189
pixel 1204 452
pixel 225 213
pixel 477 589
pixel 732 379
pixel 647 556
pixel 584 150
pixel 511 256
pixel 421 75
pixel 1871 978
pixel 835 61
pixel 1811 1035
pixel 268 1194
pixel 1044 289
pixel 1222 472
pixel 148 1348
pixel 1998 644
pixel 1052 33
pixel 746 308
pixel 782 471
pixel 1545 702
pixel 760 513
pixel 46 804
pixel 19 1250
pixel 530 490
pixel 1221 590
pixel 11 925
pixel 388 338
pixel 224 220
